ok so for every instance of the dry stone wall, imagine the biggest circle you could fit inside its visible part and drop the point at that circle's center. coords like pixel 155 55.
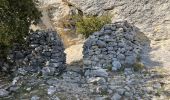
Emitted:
pixel 45 52
pixel 115 45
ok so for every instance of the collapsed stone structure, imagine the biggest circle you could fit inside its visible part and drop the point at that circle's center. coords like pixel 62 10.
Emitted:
pixel 45 52
pixel 114 45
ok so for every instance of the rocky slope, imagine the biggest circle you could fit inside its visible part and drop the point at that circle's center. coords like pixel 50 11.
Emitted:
pixel 126 85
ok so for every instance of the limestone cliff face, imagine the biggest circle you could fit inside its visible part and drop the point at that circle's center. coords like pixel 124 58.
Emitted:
pixel 151 16
pixel 53 12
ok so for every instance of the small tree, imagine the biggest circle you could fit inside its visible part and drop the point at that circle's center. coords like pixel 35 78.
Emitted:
pixel 16 17
pixel 90 24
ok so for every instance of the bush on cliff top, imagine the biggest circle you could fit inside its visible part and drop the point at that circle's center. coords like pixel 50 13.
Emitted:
pixel 85 25
pixel 90 24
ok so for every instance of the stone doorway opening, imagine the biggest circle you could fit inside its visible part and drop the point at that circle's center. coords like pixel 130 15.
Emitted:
pixel 74 53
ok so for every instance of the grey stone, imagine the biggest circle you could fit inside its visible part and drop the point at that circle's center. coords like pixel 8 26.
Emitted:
pixel 128 71
pixel 87 62
pixel 56 65
pixel 128 94
pixel 47 53
pixel 99 80
pixel 3 93
pixel 110 48
pixel 113 28
pixel 15 80
pixel 51 90
pixel 55 98
pixel 97 33
pixel 121 91
pixel 97 52
pixel 107 31
pixel 129 37
pixel 19 55
pixel 130 59
pixel 99 98
pixel 35 97
pixel 52 81
pixel 116 65
pixel 121 56
pixel 101 43
pixel 127 88
pixel 116 96
pixel 22 71
pixel 28 89
pixel 122 50
pixel 106 37
pixel 48 71
pixel 157 85
pixel 101 89
pixel 97 73
pixel 13 88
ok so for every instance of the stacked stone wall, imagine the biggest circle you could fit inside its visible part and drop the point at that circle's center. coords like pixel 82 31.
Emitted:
pixel 44 52
pixel 114 45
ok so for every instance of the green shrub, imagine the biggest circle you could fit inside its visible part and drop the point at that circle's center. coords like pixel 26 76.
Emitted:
pixel 85 25
pixel 138 66
pixel 68 22
pixel 16 16
pixel 90 24
pixel 109 67
pixel 104 92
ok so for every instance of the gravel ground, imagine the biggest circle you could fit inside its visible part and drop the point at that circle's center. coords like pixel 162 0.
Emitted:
pixel 152 83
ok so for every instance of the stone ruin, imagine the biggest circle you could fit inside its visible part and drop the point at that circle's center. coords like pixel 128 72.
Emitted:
pixel 45 52
pixel 115 45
